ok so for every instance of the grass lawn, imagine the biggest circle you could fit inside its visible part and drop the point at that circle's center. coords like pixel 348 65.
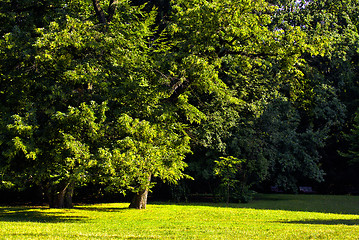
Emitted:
pixel 267 217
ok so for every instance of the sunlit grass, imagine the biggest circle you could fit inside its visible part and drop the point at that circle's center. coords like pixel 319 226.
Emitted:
pixel 269 217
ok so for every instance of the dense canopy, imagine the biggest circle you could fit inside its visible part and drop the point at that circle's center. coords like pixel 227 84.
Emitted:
pixel 118 93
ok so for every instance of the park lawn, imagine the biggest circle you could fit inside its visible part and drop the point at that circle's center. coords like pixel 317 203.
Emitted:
pixel 267 217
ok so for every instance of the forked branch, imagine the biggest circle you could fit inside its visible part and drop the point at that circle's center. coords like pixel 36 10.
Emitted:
pixel 101 16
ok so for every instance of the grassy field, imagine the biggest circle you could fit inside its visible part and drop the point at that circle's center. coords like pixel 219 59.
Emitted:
pixel 267 217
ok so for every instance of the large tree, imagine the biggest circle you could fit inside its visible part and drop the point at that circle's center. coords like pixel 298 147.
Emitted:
pixel 81 101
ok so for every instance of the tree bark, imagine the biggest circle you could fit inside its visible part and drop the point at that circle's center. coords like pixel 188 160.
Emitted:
pixel 68 196
pixel 62 198
pixel 139 201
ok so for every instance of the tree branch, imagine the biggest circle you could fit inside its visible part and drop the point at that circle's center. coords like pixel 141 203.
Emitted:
pixel 178 88
pixel 99 12
pixel 111 9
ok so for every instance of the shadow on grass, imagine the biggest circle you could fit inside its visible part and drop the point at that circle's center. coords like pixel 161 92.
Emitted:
pixel 20 214
pixel 337 204
pixel 349 222
pixel 101 209
pixel 290 202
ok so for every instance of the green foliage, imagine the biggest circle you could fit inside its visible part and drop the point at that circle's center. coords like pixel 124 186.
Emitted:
pixel 330 98
pixel 227 168
pixel 284 109
pixel 230 171
pixel 142 150
pixel 292 153
pixel 115 92
pixel 83 103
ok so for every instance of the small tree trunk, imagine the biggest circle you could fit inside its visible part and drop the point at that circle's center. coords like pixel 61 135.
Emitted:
pixel 60 203
pixel 57 199
pixel 139 201
pixel 50 196
pixel 68 196
pixel 227 200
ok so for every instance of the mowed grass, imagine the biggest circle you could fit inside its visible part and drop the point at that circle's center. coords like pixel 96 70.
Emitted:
pixel 267 217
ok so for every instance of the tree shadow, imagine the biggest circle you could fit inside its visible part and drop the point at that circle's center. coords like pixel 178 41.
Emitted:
pixel 101 209
pixel 337 204
pixel 348 205
pixel 33 214
pixel 349 222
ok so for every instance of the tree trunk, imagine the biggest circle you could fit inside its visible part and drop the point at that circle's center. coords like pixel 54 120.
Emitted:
pixel 62 198
pixel 68 196
pixel 139 201
pixel 227 200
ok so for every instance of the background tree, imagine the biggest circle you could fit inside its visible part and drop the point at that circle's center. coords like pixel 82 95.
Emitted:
pixel 227 168
pixel 331 76
pixel 259 60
